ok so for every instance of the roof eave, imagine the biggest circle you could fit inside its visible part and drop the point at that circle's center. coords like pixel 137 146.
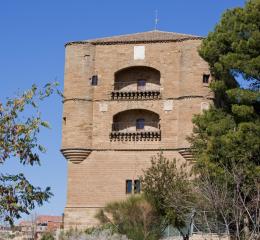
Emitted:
pixel 76 42
pixel 133 41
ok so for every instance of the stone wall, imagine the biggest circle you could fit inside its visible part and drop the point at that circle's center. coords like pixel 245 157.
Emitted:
pixel 98 166
pixel 201 237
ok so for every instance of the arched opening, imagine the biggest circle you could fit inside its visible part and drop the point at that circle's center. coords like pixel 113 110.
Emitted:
pixel 136 82
pixel 132 77
pixel 139 123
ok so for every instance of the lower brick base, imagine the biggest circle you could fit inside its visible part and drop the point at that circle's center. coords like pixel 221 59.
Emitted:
pixel 101 178
pixel 79 218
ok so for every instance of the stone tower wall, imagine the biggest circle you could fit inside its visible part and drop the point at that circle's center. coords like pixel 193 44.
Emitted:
pixel 99 165
pixel 78 102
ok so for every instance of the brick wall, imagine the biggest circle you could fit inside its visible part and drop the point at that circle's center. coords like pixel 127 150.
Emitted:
pixel 89 112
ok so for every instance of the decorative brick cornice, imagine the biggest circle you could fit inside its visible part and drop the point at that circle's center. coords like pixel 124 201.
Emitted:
pixel 186 153
pixel 76 43
pixel 76 99
pixel 132 42
pixel 146 41
pixel 137 99
pixel 75 155
pixel 139 150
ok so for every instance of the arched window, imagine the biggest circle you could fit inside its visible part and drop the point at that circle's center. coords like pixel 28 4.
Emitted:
pixel 126 79
pixel 137 82
pixel 135 125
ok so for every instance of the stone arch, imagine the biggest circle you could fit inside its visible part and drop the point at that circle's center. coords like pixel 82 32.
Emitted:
pixel 127 120
pixel 128 78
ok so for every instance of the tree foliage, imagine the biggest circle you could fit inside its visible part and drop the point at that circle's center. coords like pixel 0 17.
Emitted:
pixel 227 156
pixel 19 140
pixel 47 236
pixel 170 190
pixel 226 138
pixel 97 233
pixel 233 47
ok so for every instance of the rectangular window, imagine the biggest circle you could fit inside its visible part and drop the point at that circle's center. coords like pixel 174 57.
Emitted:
pixel 128 189
pixel 205 78
pixel 141 85
pixel 137 186
pixel 140 124
pixel 94 80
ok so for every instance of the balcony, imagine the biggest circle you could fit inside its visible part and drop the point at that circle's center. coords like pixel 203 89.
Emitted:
pixel 136 83
pixel 135 90
pixel 136 131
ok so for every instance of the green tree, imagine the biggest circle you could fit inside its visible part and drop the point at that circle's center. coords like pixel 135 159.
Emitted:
pixel 227 163
pixel 135 217
pixel 171 192
pixel 20 124
pixel 226 138
pixel 233 47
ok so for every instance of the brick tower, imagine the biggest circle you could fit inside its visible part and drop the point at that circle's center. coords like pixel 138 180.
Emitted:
pixel 126 98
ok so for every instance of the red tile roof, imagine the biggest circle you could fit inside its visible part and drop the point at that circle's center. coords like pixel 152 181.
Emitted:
pixel 25 223
pixel 150 36
pixel 48 218
pixel 42 219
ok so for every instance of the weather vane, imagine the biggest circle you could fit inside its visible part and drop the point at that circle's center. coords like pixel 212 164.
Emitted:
pixel 156 20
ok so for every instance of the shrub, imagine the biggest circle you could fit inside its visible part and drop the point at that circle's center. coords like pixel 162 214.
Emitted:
pixel 134 217
pixel 98 233
pixel 47 236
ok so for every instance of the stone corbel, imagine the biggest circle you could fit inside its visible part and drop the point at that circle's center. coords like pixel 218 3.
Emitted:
pixel 75 155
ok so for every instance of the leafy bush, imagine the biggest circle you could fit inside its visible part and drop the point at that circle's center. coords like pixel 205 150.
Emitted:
pixel 47 236
pixel 170 190
pixel 134 217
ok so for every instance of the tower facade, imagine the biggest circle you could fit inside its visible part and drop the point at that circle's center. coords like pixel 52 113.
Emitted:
pixel 126 99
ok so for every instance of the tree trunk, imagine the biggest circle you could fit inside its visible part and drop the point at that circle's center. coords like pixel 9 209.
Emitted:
pixel 246 227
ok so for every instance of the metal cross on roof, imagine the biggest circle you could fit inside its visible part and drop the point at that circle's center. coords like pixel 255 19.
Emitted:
pixel 156 20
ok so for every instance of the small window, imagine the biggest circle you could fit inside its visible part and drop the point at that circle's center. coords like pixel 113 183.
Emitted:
pixel 137 186
pixel 205 78
pixel 140 124
pixel 128 189
pixel 94 80
pixel 141 85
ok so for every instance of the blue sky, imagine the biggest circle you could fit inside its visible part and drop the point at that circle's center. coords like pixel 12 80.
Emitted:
pixel 32 38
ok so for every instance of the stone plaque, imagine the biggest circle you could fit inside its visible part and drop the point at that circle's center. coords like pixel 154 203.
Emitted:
pixel 103 107
pixel 139 52
pixel 204 106
pixel 168 105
